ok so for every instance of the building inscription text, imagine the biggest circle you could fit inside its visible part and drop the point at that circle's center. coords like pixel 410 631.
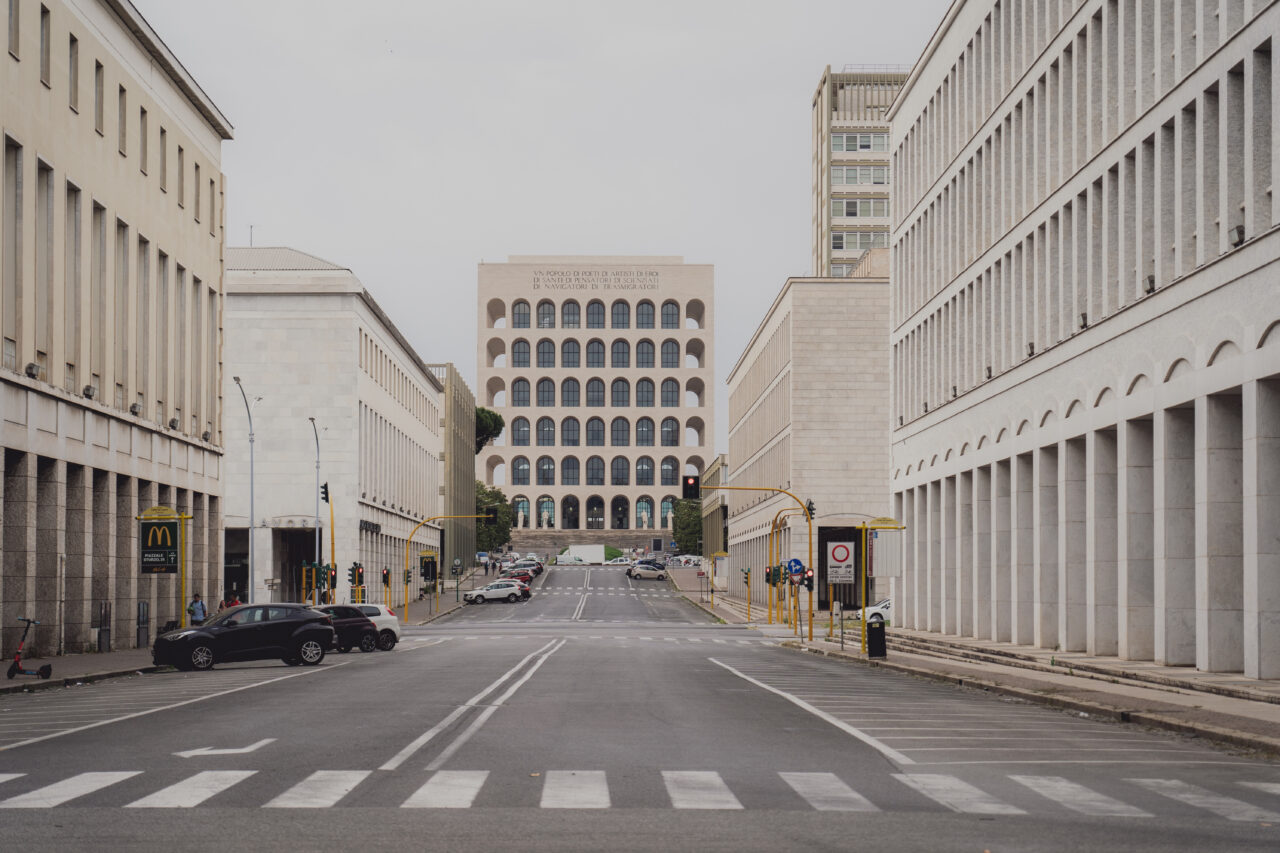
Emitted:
pixel 567 279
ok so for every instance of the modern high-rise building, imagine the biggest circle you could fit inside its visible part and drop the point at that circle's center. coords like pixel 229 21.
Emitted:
pixel 1086 330
pixel 111 238
pixel 602 369
pixel 850 164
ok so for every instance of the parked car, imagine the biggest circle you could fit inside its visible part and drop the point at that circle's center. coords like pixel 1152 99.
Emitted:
pixel 531 556
pixel 533 567
pixel 295 633
pixel 619 561
pixel 384 619
pixel 878 612
pixel 508 590
pixel 570 560
pixel 517 574
pixel 641 571
pixel 352 629
pixel 652 562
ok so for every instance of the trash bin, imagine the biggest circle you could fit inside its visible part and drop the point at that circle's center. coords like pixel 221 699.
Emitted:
pixel 875 639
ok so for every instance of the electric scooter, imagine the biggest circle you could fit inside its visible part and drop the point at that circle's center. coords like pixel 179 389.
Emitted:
pixel 15 668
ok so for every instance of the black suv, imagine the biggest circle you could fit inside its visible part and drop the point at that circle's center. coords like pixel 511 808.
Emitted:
pixel 292 632
pixel 353 628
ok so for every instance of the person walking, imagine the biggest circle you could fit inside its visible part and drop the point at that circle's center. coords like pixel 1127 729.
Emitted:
pixel 196 610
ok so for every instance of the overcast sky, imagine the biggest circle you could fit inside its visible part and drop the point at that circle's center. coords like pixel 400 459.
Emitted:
pixel 411 140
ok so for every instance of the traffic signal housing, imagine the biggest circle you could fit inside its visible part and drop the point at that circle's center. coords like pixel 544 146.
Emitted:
pixel 809 508
pixel 324 492
pixel 692 489
pixel 808 579
pixel 491 513
pixel 357 574
pixel 386 577
pixel 746 576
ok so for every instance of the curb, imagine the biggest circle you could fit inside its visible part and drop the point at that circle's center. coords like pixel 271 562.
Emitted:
pixel 87 678
pixel 1232 737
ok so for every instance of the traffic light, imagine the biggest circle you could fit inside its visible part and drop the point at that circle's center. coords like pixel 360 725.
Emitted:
pixel 808 579
pixel 386 577
pixel 692 488
pixel 324 492
pixel 351 575
pixel 407 576
pixel 746 576
pixel 427 567
pixel 809 508
pixel 359 575
pixel 491 513
pixel 333 578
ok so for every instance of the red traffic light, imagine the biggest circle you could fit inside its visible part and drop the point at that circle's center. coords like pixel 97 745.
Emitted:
pixel 691 487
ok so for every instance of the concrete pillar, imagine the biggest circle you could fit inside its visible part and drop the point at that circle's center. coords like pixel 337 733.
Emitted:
pixel 17 546
pixel 1100 543
pixel 1022 548
pixel 1072 550
pixel 123 634
pixel 50 515
pixel 947 513
pixel 933 498
pixel 77 567
pixel 1044 578
pixel 982 552
pixel 1261 411
pixel 964 552
pixel 1174 535
pixel 1135 582
pixel 1001 555
pixel 1219 463
pixel 919 591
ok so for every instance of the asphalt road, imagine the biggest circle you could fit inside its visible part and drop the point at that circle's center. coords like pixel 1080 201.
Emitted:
pixel 603 713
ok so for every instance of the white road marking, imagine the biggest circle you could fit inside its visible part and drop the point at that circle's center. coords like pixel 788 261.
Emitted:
pixel 68 789
pixel 879 746
pixel 1192 795
pixel 1078 797
pixel 955 794
pixel 319 790
pixel 577 614
pixel 827 793
pixel 5 777
pixel 448 789
pixel 1268 787
pixel 192 791
pixel 697 789
pixel 575 789
pixel 420 741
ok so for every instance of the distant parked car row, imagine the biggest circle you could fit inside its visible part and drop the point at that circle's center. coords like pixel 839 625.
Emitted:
pixel 512 584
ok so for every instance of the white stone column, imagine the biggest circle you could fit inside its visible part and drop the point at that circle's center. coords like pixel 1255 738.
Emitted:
pixel 1135 592
pixel 77 569
pixel 1174 536
pixel 1100 543
pixel 964 552
pixel 949 574
pixel 982 552
pixel 1219 463
pixel 1001 554
pixel 17 547
pixel 933 497
pixel 1262 529
pixel 1045 572
pixel 1072 634
pixel 1022 549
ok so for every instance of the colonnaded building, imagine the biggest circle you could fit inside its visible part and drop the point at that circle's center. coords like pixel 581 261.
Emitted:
pixel 111 238
pixel 602 369
pixel 1085 344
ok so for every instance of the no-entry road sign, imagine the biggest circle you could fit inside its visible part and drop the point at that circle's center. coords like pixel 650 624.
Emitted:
pixel 840 565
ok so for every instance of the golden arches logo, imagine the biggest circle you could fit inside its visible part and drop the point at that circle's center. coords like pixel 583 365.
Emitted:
pixel 159 535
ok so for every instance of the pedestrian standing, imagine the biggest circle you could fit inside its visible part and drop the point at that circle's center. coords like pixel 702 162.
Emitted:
pixel 196 610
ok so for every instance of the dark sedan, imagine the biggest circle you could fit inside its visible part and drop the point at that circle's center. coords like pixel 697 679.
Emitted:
pixel 353 628
pixel 292 632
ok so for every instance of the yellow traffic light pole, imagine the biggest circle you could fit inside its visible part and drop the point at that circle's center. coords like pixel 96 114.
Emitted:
pixel 408 545
pixel 874 524
pixel 775 532
pixel 773 526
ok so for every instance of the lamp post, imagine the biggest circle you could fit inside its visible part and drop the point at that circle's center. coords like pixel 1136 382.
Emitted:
pixel 317 434
pixel 249 411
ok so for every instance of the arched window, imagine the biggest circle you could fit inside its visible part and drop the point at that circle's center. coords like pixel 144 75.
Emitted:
pixel 520 315
pixel 546 315
pixel 520 507
pixel 595 353
pixel 546 512
pixel 620 432
pixel 595 471
pixel 520 432
pixel 619 512
pixel 595 508
pixel 546 392
pixel 595 314
pixel 621 315
pixel 670 393
pixel 670 471
pixel 546 471
pixel 621 393
pixel 595 432
pixel 670 354
pixel 644 512
pixel 569 313
pixel 569 471
pixel 644 354
pixel 546 432
pixel 569 391
pixel 644 432
pixel 670 432
pixel 644 473
pixel 520 392
pixel 595 392
pixel 546 354
pixel 644 392
pixel 569 429
pixel 569 506
pixel 644 315
pixel 570 354
pixel 520 471
pixel 520 354
pixel 668 508
pixel 670 315
pixel 621 354
pixel 620 475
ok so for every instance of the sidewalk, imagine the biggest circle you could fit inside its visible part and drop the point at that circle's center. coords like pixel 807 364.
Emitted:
pixel 697 590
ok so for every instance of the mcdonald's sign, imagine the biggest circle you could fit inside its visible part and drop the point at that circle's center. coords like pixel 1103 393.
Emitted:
pixel 158 541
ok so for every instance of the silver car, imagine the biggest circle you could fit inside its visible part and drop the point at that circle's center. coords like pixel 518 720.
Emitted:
pixel 497 591
pixel 642 571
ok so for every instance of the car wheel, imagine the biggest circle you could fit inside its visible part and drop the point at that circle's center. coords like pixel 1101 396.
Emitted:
pixel 662 577
pixel 387 640
pixel 201 657
pixel 292 661
pixel 368 642
pixel 310 652
pixel 512 598
pixel 479 599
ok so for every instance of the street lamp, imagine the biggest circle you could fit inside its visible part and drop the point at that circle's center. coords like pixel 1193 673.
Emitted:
pixel 249 411
pixel 317 434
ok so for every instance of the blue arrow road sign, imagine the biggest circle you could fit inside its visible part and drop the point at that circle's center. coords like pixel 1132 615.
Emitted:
pixel 795 566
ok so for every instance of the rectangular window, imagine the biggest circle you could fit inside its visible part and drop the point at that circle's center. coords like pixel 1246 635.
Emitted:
pixel 180 345
pixel 211 366
pixel 45 33
pixel 14 5
pixel 98 290
pixel 212 209
pixel 123 118
pixel 182 182
pixel 71 288
pixel 164 160
pixel 197 351
pixel 11 222
pixel 196 184
pixel 142 139
pixel 164 328
pixel 44 265
pixel 98 95
pixel 73 74
pixel 120 317
pixel 143 339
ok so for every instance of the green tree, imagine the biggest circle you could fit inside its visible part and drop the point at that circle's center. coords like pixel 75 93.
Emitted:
pixel 686 526
pixel 489 425
pixel 492 535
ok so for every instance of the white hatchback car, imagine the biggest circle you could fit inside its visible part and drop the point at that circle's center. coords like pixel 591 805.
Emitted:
pixel 619 561
pixel 508 590
pixel 384 618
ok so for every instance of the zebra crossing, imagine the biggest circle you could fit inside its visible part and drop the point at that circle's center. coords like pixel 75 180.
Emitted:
pixel 608 590
pixel 704 641
pixel 683 789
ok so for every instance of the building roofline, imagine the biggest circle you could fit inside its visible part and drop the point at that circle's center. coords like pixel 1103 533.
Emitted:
pixel 930 48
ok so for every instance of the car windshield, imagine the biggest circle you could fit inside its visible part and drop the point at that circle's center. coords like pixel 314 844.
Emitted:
pixel 227 615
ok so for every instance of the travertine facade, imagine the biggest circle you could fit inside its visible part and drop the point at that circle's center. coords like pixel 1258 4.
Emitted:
pixel 1086 357
pixel 111 220
pixel 458 466
pixel 602 369
pixel 808 412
